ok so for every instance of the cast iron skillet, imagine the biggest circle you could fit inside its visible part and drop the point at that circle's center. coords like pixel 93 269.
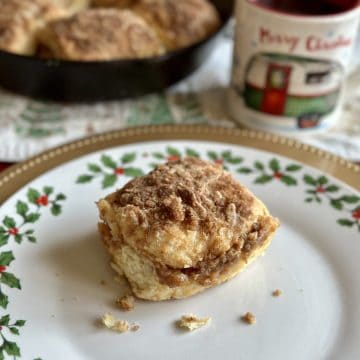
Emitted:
pixel 74 81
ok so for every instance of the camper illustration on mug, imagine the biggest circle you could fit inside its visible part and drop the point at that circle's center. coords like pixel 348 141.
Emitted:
pixel 293 87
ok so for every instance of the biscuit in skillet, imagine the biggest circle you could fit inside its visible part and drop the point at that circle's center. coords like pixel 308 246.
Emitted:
pixel 179 23
pixel 100 34
pixel 20 20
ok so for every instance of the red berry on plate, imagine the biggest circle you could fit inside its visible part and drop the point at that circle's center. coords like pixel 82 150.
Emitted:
pixel 119 171
pixel 173 158
pixel 356 214
pixel 42 200
pixel 278 175
pixel 13 231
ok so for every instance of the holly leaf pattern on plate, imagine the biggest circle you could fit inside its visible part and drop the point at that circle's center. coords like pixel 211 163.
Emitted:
pixel 110 170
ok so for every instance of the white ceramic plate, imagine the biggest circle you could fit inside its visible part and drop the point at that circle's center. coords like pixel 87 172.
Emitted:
pixel 314 260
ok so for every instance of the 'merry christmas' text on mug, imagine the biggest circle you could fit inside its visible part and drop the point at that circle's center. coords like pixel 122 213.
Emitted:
pixel 290 62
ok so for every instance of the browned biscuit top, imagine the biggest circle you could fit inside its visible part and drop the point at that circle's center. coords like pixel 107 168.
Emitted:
pixel 20 19
pixel 29 9
pixel 102 34
pixel 179 23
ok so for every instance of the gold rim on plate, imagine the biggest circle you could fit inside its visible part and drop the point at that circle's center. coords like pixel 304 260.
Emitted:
pixel 19 175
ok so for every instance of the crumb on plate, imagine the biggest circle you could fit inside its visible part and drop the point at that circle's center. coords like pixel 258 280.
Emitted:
pixel 249 318
pixel 126 302
pixel 103 282
pixel 111 323
pixel 192 322
pixel 277 293
pixel 134 327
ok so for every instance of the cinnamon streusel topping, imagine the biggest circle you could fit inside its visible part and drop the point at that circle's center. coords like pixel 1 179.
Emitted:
pixel 184 213
pixel 191 192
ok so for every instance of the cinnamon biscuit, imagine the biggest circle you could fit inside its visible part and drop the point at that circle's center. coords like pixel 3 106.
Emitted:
pixel 100 34
pixel 21 19
pixel 179 23
pixel 185 227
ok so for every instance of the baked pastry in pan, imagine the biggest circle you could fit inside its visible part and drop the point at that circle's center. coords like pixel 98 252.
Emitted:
pixel 20 20
pixel 179 23
pixel 183 228
pixel 100 34
pixel 69 30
